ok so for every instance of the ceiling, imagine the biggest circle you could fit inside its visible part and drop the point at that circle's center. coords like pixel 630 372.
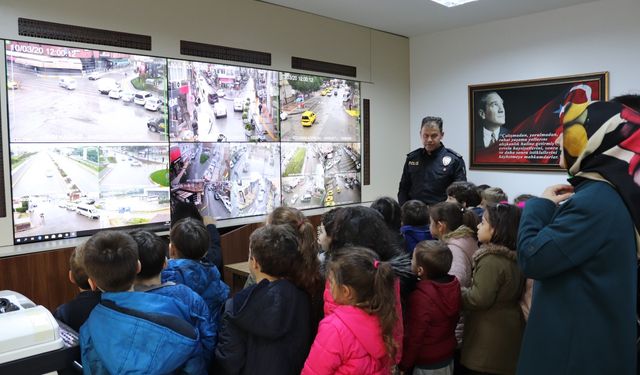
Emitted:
pixel 417 17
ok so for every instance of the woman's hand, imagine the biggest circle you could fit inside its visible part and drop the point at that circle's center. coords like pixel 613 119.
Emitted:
pixel 558 193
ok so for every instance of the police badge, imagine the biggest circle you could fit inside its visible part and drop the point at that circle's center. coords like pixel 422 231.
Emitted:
pixel 446 160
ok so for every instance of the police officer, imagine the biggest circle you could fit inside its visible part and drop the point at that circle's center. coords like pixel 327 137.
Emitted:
pixel 429 170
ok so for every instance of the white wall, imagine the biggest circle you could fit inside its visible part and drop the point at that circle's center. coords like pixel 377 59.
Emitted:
pixel 382 60
pixel 593 37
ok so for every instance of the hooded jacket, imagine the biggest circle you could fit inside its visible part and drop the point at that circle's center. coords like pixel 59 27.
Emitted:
pixel 432 315
pixel 413 234
pixel 140 333
pixel 203 278
pixel 493 320
pixel 463 245
pixel 330 307
pixel 265 330
pixel 199 315
pixel 349 341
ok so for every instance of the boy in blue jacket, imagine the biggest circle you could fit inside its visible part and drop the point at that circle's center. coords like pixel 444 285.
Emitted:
pixel 152 252
pixel 132 332
pixel 189 244
pixel 415 224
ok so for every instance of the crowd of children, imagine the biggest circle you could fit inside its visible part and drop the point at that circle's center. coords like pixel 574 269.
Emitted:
pixel 372 290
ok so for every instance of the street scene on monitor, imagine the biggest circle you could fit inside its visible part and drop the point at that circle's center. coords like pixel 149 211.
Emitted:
pixel 316 108
pixel 320 174
pixel 226 180
pixel 64 94
pixel 60 188
pixel 222 103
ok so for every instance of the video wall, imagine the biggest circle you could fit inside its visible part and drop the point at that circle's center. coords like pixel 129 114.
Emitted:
pixel 103 139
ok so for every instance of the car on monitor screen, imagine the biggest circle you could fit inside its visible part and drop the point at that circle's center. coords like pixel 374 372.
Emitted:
pixel 67 83
pixel 153 104
pixel 157 125
pixel 13 85
pixel 219 110
pixel 141 97
pixel 308 118
pixel 115 93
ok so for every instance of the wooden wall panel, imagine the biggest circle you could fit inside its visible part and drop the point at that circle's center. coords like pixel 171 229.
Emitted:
pixel 41 277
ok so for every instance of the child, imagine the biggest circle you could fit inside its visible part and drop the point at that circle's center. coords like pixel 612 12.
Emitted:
pixel 152 253
pixel 189 244
pixel 265 328
pixel 364 227
pixel 465 193
pixel 415 224
pixel 391 212
pixel 433 312
pixel 132 332
pixel 75 312
pixel 357 338
pixel 493 320
pixel 493 196
pixel 180 210
pixel 325 231
pixel 452 223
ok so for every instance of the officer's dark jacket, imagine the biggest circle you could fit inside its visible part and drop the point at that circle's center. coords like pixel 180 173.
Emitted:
pixel 426 176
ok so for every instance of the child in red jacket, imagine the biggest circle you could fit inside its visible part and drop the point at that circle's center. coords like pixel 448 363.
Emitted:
pixel 433 312
pixel 357 338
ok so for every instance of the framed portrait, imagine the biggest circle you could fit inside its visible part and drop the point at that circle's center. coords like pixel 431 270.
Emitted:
pixel 513 125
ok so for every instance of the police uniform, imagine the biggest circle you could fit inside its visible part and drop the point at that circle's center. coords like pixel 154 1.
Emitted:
pixel 426 176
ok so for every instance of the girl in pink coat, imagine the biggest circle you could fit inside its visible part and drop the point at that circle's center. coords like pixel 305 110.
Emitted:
pixel 357 338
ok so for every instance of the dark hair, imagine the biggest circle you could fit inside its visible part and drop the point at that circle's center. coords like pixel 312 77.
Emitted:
pixel 390 210
pixel 453 215
pixel 275 248
pixel 465 193
pixel 373 285
pixel 190 238
pixel 431 121
pixel 308 267
pixel 482 187
pixel 328 220
pixel 504 218
pixel 363 226
pixel 183 210
pixel 111 260
pixel 78 273
pixel 493 195
pixel 630 100
pixel 152 252
pixel 522 198
pixel 415 212
pixel 435 257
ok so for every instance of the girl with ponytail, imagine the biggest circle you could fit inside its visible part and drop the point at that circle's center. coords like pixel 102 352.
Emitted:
pixel 358 337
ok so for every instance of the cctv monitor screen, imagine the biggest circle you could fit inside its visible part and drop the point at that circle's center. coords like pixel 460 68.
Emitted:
pixel 320 174
pixel 87 140
pixel 226 180
pixel 222 103
pixel 314 108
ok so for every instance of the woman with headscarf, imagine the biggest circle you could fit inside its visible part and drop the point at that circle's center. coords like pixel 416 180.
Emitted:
pixel 582 254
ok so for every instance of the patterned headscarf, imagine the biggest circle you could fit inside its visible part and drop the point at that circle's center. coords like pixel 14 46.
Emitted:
pixel 601 141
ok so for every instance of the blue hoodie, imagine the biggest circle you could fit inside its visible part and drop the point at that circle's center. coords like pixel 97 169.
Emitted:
pixel 203 278
pixel 140 333
pixel 414 234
